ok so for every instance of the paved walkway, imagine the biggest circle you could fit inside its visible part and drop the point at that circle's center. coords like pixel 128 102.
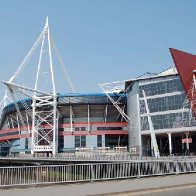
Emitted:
pixel 104 187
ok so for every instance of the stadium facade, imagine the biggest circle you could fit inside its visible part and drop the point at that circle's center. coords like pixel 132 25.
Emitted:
pixel 85 121
pixel 149 114
pixel 170 113
pixel 92 121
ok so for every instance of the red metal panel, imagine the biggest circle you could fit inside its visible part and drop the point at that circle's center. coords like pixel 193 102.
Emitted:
pixel 79 133
pixel 185 64
pixel 105 124
pixel 11 137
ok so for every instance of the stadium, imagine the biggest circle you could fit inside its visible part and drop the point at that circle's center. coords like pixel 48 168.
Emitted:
pixel 85 120
pixel 151 115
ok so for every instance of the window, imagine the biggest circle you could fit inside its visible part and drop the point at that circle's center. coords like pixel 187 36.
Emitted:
pixel 77 141
pixel 163 104
pixel 161 87
pixel 80 141
pixel 83 141
pixel 83 128
pixel 99 141
pixel 108 128
pixel 77 128
pixel 80 128
pixel 26 143
pixel 61 142
pixel 167 121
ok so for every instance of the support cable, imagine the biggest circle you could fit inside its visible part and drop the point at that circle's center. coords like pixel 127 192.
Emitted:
pixel 63 65
pixel 27 57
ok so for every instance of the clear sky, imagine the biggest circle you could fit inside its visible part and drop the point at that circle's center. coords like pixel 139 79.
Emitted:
pixel 99 40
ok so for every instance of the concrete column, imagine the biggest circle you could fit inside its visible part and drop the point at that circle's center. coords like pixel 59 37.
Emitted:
pixel 88 119
pixel 70 117
pixel 170 143
pixel 103 141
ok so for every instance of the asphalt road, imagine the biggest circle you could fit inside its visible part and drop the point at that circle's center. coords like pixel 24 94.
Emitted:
pixel 166 185
pixel 189 190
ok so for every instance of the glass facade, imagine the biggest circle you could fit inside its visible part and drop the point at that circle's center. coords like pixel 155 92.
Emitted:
pixel 164 121
pixel 161 87
pixel 167 104
pixel 163 103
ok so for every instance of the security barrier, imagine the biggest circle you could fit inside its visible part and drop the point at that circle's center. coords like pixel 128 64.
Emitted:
pixel 29 175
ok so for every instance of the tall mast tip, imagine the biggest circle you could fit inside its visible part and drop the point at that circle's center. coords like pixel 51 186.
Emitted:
pixel 46 21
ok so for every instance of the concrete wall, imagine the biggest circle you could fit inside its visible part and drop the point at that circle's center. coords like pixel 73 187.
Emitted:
pixel 22 143
pixel 69 141
pixel 91 141
pixel 103 140
pixel 15 146
pixel 133 111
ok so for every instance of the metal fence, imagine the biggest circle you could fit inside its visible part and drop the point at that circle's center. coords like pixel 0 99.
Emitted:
pixel 109 155
pixel 29 175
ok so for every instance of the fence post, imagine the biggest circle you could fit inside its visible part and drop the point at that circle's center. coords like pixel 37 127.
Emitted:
pixel 37 174
pixel 92 173
pixel 138 168
pixel 177 167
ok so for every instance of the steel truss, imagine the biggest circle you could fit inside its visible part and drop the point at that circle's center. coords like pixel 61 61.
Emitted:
pixel 115 87
pixel 43 111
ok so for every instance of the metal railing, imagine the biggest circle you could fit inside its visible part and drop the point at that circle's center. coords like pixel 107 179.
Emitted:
pixel 29 175
pixel 103 156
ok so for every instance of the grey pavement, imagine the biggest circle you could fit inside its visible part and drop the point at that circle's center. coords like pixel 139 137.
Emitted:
pixel 107 187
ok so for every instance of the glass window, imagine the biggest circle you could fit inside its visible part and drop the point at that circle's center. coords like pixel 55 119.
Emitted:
pixel 80 141
pixel 77 141
pixel 61 141
pixel 26 143
pixel 163 104
pixel 161 87
pixel 77 128
pixel 83 128
pixel 99 141
pixel 109 128
pixel 167 121
pixel 83 141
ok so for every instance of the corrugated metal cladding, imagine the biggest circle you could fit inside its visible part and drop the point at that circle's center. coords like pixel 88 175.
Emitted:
pixel 89 100
pixel 94 99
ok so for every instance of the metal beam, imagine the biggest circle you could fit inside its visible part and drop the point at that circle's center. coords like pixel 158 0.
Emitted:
pixel 152 133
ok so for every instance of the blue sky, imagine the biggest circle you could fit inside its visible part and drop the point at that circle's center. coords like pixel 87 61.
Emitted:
pixel 99 40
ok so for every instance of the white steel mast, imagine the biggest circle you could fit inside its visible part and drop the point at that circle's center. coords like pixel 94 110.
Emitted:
pixel 44 131
pixel 152 133
pixel 44 122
